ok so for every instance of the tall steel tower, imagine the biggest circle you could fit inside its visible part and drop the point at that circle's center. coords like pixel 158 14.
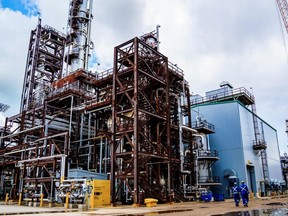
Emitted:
pixel 43 65
pixel 78 35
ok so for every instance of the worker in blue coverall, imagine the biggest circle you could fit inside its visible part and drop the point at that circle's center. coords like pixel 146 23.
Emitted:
pixel 244 193
pixel 236 193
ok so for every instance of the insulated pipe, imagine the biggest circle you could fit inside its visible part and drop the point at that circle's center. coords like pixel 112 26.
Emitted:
pixel 105 155
pixel 74 180
pixel 81 129
pixel 180 135
pixel 157 37
pixel 89 33
pixel 41 158
pixel 45 135
pixel 62 172
pixel 70 124
pixel 101 156
pixel 189 129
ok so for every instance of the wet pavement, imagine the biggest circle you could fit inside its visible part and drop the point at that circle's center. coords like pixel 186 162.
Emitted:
pixel 257 212
pixel 265 207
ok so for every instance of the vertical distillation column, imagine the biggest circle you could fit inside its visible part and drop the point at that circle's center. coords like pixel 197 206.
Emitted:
pixel 78 35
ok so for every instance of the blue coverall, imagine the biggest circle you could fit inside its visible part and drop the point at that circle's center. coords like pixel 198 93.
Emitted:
pixel 236 194
pixel 244 194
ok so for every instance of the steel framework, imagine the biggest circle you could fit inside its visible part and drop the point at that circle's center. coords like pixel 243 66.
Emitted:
pixel 146 117
pixel 131 123
pixel 43 66
pixel 283 8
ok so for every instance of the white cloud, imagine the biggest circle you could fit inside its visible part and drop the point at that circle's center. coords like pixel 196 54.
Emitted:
pixel 212 41
pixel 15 31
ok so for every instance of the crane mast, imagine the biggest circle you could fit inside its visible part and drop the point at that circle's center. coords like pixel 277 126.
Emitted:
pixel 283 7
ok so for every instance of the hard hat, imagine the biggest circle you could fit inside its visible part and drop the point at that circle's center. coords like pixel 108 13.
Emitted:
pixel 235 183
pixel 242 181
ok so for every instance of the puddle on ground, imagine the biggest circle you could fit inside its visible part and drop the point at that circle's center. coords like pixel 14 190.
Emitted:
pixel 151 213
pixel 257 212
pixel 40 212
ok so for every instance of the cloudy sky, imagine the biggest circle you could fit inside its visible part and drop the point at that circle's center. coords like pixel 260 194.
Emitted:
pixel 239 41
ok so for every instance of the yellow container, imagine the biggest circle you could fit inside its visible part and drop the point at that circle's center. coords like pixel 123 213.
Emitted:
pixel 150 202
pixel 100 193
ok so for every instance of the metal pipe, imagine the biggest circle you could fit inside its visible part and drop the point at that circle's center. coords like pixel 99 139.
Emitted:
pixel 23 131
pixel 62 172
pixel 102 108
pixel 49 137
pixel 22 150
pixel 101 156
pixel 74 180
pixel 92 138
pixel 105 156
pixel 181 145
pixel 42 158
pixel 89 33
pixel 157 37
pixel 189 129
pixel 70 123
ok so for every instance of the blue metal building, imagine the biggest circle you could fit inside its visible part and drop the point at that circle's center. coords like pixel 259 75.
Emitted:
pixel 247 145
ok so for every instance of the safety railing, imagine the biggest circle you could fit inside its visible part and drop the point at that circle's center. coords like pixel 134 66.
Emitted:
pixel 175 69
pixel 207 153
pixel 204 125
pixel 55 30
pixel 74 87
pixel 223 95
pixel 102 75
pixel 259 144
pixel 208 179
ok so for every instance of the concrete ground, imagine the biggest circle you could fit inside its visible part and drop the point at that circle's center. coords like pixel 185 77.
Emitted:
pixel 176 209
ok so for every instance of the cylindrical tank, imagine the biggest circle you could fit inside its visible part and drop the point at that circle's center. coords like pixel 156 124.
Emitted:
pixel 78 34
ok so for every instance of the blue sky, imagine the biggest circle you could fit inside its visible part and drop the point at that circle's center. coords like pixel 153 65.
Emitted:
pixel 26 7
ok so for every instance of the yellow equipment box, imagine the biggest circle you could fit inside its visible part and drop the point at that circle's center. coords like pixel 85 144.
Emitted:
pixel 100 193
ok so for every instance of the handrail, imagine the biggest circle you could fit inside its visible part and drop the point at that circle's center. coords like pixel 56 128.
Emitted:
pixel 175 68
pixel 55 30
pixel 222 95
pixel 208 179
pixel 104 74
pixel 207 153
pixel 203 124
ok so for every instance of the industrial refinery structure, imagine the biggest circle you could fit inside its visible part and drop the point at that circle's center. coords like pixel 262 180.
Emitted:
pixel 130 124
